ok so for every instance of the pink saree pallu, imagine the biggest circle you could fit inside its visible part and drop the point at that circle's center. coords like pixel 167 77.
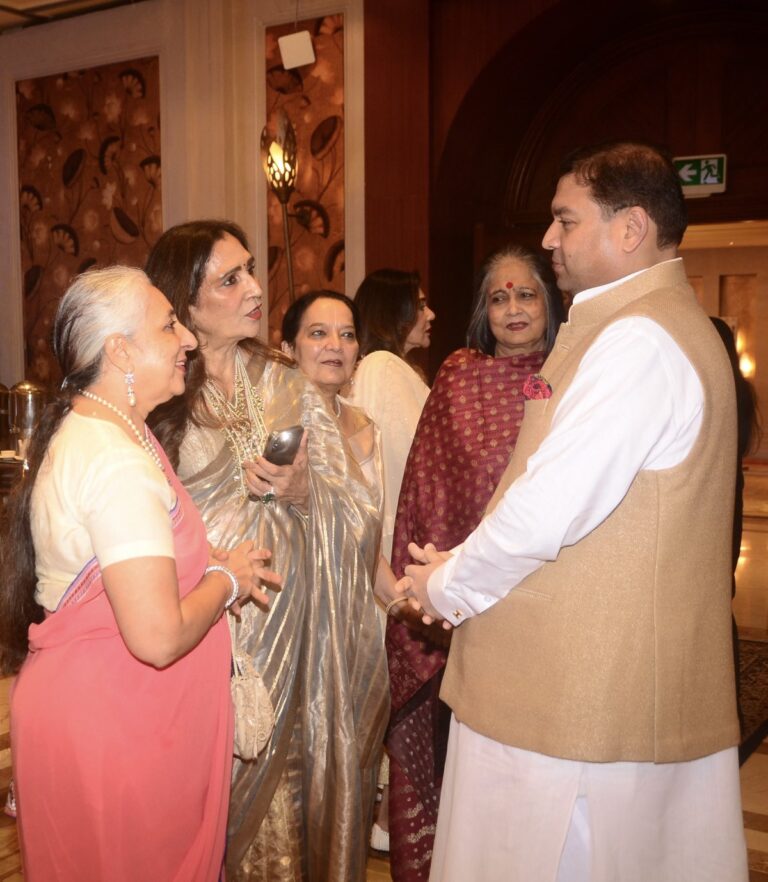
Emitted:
pixel 122 771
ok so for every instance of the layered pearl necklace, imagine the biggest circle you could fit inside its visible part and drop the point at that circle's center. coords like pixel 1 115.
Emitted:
pixel 143 440
pixel 241 420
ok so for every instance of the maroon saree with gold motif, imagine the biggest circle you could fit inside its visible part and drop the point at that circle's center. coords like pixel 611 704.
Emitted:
pixel 463 442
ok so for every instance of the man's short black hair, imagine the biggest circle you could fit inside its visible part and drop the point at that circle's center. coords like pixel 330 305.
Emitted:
pixel 625 173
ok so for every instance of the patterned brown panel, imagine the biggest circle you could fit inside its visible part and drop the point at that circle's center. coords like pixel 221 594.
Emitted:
pixel 313 99
pixel 89 184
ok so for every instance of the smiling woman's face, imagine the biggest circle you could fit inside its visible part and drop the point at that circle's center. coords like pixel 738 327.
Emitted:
pixel 517 309
pixel 158 351
pixel 326 345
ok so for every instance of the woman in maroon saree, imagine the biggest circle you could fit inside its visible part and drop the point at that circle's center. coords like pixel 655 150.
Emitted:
pixel 463 442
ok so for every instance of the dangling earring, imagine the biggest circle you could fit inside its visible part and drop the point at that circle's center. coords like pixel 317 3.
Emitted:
pixel 130 390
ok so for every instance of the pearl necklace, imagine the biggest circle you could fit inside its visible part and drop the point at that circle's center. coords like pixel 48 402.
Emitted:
pixel 241 420
pixel 143 440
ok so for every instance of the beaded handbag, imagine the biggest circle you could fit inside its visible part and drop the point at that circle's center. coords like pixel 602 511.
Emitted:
pixel 254 714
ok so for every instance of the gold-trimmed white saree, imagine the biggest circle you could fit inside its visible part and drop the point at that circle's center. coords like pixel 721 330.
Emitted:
pixel 302 810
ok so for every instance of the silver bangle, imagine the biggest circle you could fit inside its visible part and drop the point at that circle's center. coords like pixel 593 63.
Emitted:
pixel 232 578
pixel 393 603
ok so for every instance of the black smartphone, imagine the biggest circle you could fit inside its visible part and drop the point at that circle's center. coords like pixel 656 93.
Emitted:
pixel 282 445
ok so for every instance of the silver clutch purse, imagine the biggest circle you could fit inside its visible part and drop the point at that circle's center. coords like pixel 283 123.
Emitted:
pixel 254 714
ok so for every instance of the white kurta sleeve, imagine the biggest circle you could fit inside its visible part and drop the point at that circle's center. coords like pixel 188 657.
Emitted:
pixel 635 403
pixel 393 396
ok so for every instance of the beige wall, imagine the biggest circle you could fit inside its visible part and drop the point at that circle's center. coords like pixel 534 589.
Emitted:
pixel 212 112
pixel 731 280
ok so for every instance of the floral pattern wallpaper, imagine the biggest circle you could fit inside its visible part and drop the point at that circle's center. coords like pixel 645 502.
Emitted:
pixel 89 177
pixel 313 99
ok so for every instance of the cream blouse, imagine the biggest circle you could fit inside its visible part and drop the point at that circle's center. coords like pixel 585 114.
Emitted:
pixel 97 494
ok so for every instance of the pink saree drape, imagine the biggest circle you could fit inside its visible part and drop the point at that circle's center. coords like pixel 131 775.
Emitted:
pixel 463 442
pixel 122 771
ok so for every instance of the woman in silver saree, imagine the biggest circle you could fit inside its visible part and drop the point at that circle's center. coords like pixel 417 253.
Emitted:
pixel 301 810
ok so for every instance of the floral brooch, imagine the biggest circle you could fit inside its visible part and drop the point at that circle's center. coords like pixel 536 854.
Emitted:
pixel 536 388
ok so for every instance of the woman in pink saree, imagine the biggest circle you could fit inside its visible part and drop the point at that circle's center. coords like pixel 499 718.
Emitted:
pixel 465 437
pixel 114 609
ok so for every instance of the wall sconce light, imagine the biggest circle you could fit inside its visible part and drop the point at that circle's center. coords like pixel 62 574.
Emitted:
pixel 278 155
pixel 746 362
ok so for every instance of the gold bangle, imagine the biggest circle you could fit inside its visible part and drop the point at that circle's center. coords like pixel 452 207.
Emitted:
pixel 392 603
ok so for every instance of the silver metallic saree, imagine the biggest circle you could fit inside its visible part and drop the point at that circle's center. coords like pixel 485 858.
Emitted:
pixel 302 810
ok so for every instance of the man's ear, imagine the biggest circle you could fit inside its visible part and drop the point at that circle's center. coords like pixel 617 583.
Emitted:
pixel 116 350
pixel 287 348
pixel 636 227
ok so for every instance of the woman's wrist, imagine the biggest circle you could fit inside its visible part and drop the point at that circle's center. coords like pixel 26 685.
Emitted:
pixel 235 593
pixel 302 510
pixel 394 602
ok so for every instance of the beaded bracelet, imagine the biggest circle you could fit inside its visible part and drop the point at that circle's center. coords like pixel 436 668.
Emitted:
pixel 218 568
pixel 392 603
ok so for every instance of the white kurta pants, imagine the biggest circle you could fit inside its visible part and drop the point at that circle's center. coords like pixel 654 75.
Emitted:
pixel 509 815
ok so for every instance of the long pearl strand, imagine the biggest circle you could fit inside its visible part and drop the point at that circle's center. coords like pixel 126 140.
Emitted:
pixel 142 439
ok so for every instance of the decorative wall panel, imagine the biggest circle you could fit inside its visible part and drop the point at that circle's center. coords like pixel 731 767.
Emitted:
pixel 89 184
pixel 312 97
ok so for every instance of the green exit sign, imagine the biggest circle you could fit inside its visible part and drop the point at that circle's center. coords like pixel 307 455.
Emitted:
pixel 701 175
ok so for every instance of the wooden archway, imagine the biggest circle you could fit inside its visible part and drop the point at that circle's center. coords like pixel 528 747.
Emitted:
pixel 691 78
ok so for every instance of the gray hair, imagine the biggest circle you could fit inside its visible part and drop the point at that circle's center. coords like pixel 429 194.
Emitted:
pixel 98 303
pixel 479 334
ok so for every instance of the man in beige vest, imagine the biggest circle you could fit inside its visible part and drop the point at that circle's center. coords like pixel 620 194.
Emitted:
pixel 594 733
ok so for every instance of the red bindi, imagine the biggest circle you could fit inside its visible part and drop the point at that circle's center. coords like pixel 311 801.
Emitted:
pixel 510 284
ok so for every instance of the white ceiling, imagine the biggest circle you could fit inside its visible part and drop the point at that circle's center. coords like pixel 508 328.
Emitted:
pixel 24 13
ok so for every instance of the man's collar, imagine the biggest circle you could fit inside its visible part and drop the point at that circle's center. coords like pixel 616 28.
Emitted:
pixel 589 293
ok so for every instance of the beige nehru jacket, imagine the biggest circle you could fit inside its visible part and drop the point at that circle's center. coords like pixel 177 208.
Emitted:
pixel 620 649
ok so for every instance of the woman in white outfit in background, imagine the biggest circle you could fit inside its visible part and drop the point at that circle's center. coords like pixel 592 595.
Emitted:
pixel 396 321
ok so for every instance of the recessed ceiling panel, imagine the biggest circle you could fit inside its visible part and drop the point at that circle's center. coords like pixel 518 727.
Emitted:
pixel 16 13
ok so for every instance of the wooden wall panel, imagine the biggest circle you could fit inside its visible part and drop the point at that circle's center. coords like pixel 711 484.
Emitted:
pixel 471 106
pixel 688 76
pixel 733 282
pixel 465 37
pixel 397 135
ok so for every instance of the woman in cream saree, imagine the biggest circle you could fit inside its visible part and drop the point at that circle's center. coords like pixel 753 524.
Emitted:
pixel 301 810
